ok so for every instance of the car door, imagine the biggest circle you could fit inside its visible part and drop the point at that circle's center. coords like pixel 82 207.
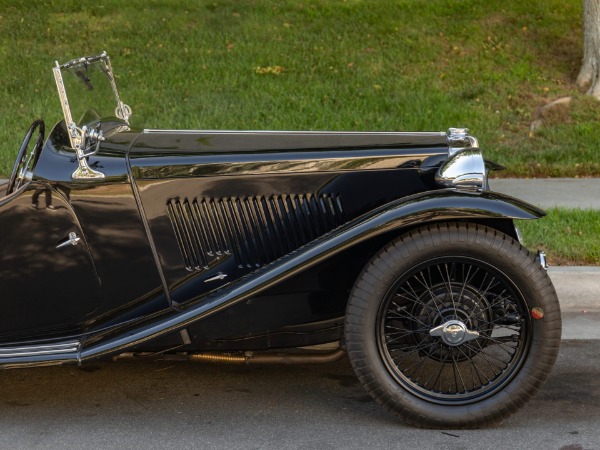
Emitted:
pixel 47 278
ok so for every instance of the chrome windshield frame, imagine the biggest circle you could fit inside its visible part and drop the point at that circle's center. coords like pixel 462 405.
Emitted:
pixel 86 141
pixel 122 111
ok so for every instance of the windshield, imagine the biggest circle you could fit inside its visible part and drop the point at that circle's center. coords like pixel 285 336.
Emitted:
pixel 88 92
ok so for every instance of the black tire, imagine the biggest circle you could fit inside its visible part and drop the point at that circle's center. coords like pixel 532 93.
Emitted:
pixel 482 294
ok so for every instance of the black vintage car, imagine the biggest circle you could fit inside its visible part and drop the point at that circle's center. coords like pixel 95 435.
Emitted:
pixel 258 247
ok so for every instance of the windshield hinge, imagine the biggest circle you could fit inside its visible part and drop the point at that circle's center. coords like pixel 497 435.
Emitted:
pixel 86 139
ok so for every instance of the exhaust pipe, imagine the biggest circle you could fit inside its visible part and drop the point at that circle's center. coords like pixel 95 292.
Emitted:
pixel 246 358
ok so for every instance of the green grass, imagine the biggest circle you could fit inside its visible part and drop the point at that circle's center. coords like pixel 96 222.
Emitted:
pixel 317 64
pixel 568 236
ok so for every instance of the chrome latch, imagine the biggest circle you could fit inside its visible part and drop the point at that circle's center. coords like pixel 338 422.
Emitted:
pixel 219 276
pixel 73 239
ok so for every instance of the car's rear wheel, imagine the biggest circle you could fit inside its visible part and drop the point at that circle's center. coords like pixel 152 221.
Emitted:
pixel 453 325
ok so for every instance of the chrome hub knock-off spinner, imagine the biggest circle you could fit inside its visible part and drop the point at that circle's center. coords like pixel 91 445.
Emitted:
pixel 454 333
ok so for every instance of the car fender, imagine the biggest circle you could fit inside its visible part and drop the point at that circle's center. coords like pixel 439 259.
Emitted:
pixel 427 207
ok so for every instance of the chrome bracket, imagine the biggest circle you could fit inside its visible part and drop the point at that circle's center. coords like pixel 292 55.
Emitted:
pixel 541 259
pixel 73 239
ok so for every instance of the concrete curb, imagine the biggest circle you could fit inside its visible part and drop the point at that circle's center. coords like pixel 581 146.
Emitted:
pixel 578 288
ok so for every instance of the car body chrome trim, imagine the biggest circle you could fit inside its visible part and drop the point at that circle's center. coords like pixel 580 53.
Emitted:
pixel 463 170
pixel 298 133
pixel 39 350
pixel 220 276
pixel 460 139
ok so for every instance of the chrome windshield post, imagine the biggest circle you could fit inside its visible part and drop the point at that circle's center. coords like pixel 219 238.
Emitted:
pixel 77 136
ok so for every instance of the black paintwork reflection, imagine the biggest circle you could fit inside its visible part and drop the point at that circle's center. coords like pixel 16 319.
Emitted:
pixel 445 205
pixel 188 143
pixel 110 221
pixel 351 188
pixel 163 154
pixel 252 307
pixel 43 287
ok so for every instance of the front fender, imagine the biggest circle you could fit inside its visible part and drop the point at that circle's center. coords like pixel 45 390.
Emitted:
pixel 431 206
pixel 450 204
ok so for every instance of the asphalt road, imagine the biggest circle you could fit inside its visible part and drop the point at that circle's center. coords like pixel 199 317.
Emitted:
pixel 183 405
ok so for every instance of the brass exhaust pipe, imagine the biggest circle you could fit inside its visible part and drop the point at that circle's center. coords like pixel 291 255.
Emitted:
pixel 250 358
pixel 218 358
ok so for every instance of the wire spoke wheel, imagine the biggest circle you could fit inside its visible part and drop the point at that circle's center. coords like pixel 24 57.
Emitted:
pixel 453 325
pixel 453 330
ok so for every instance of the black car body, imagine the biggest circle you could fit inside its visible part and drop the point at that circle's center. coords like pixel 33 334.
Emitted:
pixel 265 246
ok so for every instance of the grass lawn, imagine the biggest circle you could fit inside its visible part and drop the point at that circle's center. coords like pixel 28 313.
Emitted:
pixel 317 64
pixel 568 236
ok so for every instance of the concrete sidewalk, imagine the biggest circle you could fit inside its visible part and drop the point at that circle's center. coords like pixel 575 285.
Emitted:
pixel 578 288
pixel 581 193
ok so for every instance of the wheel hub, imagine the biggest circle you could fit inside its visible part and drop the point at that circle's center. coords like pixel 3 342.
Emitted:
pixel 453 333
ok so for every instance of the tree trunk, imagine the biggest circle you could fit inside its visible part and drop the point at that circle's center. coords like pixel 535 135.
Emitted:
pixel 589 75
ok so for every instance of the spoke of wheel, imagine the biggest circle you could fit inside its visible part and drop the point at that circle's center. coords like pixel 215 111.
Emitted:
pixel 500 345
pixel 474 366
pixel 481 353
pixel 411 297
pixel 415 348
pixel 443 366
pixel 467 279
pixel 448 284
pixel 406 333
pixel 411 318
pixel 433 296
pixel 457 370
pixel 408 355
pixel 438 372
pixel 499 298
pixel 489 286
pixel 424 360
pixel 497 325
pixel 404 329
pixel 420 362
pixel 417 298
pixel 483 356
pixel 508 339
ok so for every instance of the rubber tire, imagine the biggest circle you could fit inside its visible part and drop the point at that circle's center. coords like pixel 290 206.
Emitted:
pixel 451 239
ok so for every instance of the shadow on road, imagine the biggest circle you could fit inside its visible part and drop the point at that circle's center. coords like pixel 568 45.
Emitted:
pixel 183 405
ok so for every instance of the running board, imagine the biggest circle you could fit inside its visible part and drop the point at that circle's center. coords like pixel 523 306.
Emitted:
pixel 40 354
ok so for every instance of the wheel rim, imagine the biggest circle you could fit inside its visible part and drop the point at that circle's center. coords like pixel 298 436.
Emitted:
pixel 453 330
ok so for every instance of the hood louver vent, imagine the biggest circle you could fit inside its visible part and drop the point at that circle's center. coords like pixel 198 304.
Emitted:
pixel 256 230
